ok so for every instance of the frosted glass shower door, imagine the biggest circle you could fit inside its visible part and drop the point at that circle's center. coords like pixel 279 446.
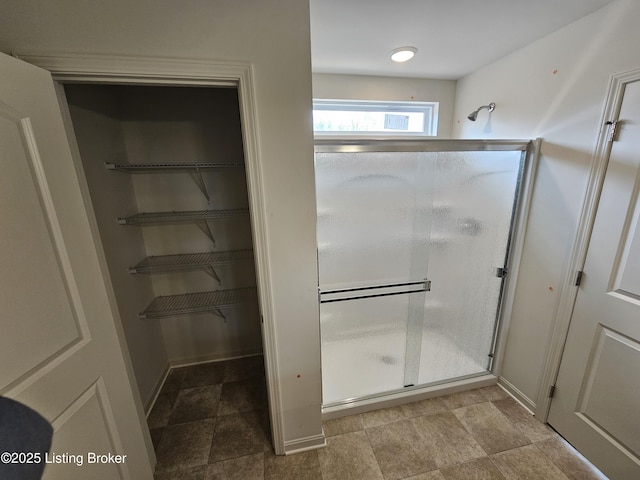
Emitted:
pixel 374 214
pixel 413 243
pixel 474 199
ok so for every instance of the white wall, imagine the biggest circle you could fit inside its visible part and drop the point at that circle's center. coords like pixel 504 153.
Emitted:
pixel 273 35
pixel 554 88
pixel 363 87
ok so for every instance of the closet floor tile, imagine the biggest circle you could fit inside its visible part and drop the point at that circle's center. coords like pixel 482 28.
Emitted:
pixel 185 445
pixel 243 368
pixel 240 434
pixel 196 403
pixel 243 396
pixel 204 374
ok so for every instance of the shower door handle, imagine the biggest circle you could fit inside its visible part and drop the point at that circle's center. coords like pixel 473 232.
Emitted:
pixel 373 291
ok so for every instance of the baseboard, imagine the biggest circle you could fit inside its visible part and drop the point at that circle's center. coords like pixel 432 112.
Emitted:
pixel 151 401
pixel 303 444
pixel 520 397
pixel 188 361
pixel 221 357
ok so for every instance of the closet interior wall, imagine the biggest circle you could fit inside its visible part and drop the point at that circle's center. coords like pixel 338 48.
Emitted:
pixel 167 125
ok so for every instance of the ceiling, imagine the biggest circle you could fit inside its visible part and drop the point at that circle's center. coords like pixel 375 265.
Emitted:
pixel 453 37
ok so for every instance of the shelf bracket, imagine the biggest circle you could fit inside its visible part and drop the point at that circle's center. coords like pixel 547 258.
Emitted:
pixel 217 312
pixel 197 178
pixel 212 272
pixel 204 226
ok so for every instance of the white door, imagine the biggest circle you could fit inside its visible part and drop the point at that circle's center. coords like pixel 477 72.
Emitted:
pixel 60 349
pixel 596 405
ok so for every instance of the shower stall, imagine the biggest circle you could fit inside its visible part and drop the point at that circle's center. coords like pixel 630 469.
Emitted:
pixel 413 254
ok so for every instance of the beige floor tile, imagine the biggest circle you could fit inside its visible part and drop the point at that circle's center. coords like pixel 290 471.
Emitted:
pixel 339 426
pixel 491 429
pixel 250 467
pixel 463 399
pixel 481 469
pixel 446 440
pixel 572 464
pixel 299 466
pixel 349 457
pixel 435 475
pixel 399 450
pixel 527 463
pixel 382 416
pixel 429 406
pixel 524 421
pixel 185 445
pixel 494 392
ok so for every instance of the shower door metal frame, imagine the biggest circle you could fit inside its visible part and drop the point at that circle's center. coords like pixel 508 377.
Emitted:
pixel 522 197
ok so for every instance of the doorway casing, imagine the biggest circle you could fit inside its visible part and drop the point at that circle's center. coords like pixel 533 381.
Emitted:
pixel 569 292
pixel 178 72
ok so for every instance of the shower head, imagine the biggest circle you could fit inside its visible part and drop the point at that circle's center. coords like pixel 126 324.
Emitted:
pixel 473 115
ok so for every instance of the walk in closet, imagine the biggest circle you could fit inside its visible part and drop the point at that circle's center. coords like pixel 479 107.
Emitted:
pixel 165 173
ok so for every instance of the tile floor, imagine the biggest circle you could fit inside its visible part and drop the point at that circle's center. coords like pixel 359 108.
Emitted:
pixel 210 422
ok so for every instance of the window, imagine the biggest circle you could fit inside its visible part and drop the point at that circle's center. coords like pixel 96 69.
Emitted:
pixel 348 117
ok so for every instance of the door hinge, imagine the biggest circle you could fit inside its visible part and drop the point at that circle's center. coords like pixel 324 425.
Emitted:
pixel 613 130
pixel 578 278
pixel 501 272
pixel 552 391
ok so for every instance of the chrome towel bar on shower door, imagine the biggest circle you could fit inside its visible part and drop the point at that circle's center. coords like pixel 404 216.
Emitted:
pixel 373 291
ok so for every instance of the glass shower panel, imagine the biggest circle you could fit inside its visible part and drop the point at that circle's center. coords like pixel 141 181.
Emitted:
pixel 374 215
pixel 473 206
pixel 363 347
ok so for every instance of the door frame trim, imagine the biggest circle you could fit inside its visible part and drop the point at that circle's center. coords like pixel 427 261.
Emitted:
pixel 105 69
pixel 569 291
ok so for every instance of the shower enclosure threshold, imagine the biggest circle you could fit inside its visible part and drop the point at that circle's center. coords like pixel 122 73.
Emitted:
pixel 406 395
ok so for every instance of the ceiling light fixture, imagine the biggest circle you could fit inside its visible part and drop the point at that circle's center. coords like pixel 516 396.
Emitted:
pixel 402 54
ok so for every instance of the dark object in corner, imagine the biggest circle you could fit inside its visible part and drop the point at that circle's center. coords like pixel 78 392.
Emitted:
pixel 22 431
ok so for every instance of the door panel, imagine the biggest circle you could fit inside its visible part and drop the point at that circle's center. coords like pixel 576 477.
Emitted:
pixel 598 385
pixel 28 258
pixel 60 352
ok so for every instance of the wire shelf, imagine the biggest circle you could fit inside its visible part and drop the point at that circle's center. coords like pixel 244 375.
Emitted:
pixel 151 167
pixel 150 218
pixel 187 303
pixel 189 261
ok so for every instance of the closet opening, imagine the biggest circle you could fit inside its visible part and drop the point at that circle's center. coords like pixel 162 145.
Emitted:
pixel 165 173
